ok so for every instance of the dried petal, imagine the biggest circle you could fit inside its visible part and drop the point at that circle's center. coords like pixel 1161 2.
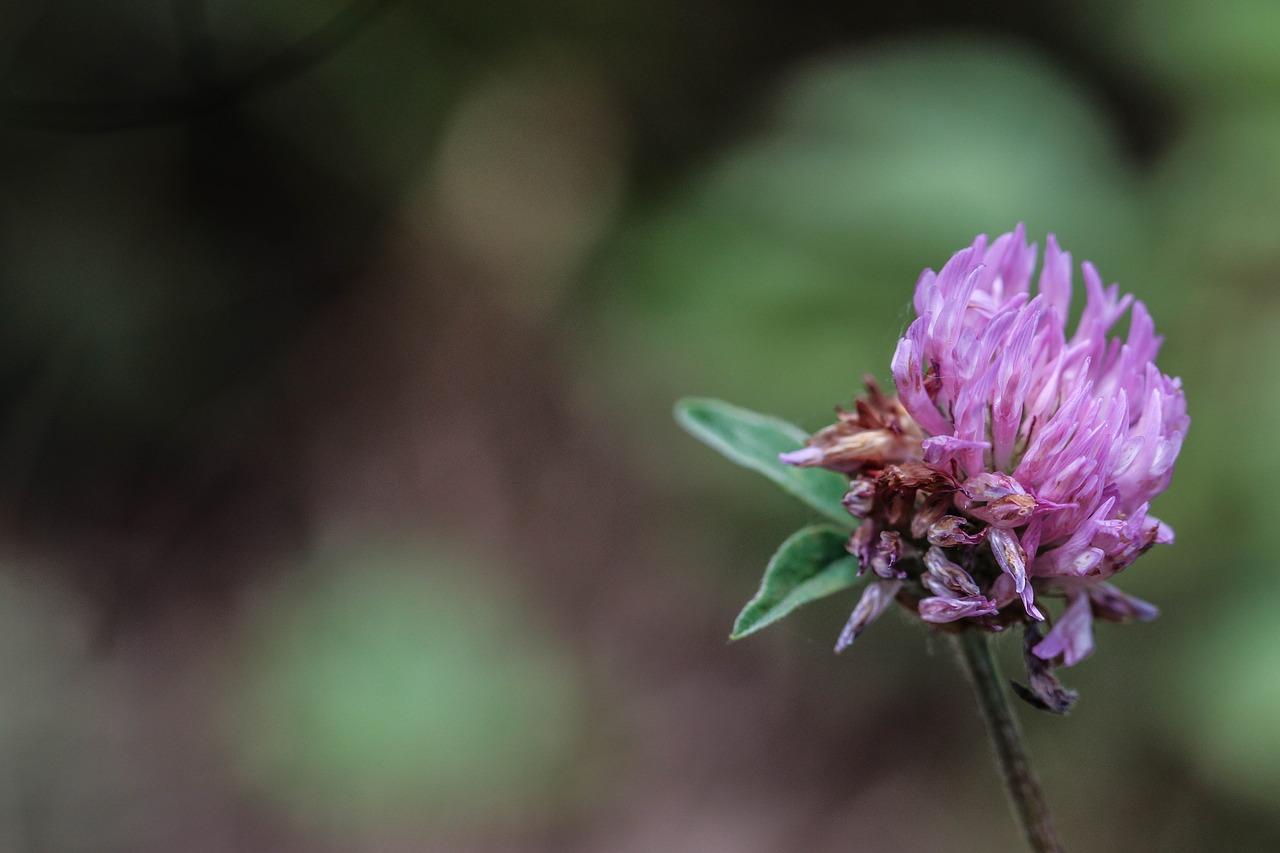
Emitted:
pixel 877 433
pixel 859 497
pixel 804 457
pixel 863 541
pixel 1013 562
pixel 945 578
pixel 1113 605
pixel 927 514
pixel 885 555
pixel 941 609
pixel 1010 556
pixel 991 485
pixel 1009 511
pixel 1045 691
pixel 948 532
pixel 875 598
pixel 913 475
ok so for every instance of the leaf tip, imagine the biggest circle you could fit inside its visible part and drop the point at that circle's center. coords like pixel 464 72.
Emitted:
pixel 685 408
pixel 746 624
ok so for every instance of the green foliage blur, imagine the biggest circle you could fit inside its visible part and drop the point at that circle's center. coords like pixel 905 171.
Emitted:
pixel 340 500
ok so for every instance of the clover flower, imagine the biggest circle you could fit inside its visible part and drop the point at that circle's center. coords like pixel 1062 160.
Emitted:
pixel 1015 463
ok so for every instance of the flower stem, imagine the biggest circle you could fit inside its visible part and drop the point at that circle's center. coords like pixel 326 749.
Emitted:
pixel 1019 779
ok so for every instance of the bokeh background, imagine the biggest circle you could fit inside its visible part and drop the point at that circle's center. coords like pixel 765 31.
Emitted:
pixel 341 508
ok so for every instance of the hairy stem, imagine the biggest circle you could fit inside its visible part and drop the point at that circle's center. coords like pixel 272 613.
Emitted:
pixel 1019 779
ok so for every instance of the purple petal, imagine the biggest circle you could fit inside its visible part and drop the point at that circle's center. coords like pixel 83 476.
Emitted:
pixel 1064 440
pixel 908 376
pixel 1055 278
pixel 941 451
pixel 1029 605
pixel 1072 636
pixel 1002 591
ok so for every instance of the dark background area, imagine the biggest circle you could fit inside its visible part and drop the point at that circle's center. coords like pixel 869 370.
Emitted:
pixel 341 507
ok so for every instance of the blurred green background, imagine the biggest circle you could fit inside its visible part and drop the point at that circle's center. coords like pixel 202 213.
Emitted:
pixel 340 503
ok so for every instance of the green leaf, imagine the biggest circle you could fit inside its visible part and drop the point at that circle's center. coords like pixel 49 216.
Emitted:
pixel 754 441
pixel 811 564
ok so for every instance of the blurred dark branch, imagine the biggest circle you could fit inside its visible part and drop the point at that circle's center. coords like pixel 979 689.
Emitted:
pixel 106 117
pixel 192 19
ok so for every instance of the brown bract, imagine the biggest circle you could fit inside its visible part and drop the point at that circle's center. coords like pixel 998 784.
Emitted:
pixel 878 432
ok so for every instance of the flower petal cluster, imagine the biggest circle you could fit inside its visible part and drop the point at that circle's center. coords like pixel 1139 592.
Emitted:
pixel 1017 460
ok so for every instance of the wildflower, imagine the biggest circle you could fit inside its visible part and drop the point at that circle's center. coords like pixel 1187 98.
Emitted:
pixel 1014 463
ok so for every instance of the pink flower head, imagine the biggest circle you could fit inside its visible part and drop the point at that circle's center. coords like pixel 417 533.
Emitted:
pixel 1043 448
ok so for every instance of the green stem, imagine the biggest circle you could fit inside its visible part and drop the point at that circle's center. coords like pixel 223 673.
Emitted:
pixel 1019 779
